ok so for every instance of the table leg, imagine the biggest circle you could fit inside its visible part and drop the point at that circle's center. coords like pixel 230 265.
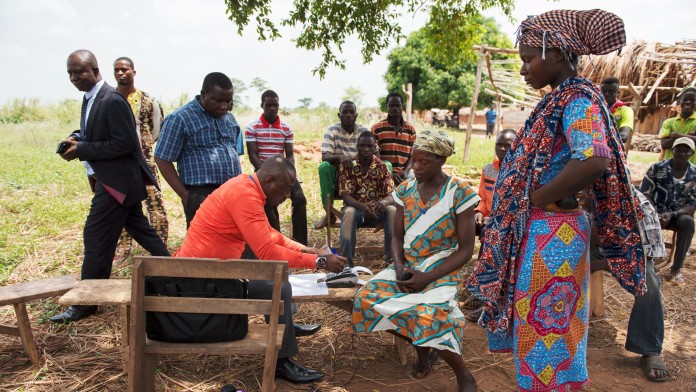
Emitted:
pixel 25 333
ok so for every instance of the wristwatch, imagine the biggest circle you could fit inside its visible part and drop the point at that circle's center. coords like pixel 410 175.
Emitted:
pixel 320 262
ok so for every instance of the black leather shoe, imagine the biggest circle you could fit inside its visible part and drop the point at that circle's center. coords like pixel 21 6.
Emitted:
pixel 296 373
pixel 306 330
pixel 74 313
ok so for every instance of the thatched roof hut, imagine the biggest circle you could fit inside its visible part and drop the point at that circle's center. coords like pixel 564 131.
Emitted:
pixel 651 74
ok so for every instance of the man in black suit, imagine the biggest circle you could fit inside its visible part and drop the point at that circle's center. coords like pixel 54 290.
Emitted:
pixel 107 144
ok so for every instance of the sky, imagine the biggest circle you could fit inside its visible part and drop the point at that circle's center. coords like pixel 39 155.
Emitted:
pixel 175 43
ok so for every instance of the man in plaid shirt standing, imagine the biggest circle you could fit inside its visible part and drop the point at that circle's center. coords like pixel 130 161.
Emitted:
pixel 205 141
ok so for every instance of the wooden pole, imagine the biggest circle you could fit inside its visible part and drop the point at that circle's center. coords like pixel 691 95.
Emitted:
pixel 499 118
pixel 408 91
pixel 635 105
pixel 474 101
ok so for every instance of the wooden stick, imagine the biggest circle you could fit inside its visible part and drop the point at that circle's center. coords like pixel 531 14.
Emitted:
pixel 657 83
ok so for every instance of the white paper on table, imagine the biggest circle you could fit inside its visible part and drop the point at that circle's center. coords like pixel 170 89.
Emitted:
pixel 306 285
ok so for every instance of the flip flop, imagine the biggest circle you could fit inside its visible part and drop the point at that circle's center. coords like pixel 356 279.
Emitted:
pixel 471 303
pixel 653 362
pixel 432 358
pixel 474 315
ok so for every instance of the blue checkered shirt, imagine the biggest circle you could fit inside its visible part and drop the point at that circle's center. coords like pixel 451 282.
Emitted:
pixel 206 149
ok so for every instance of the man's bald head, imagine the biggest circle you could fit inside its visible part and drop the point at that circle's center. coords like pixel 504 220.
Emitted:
pixel 83 69
pixel 85 56
pixel 277 176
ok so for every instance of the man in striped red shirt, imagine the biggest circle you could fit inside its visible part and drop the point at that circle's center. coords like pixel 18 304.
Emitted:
pixel 268 136
pixel 395 138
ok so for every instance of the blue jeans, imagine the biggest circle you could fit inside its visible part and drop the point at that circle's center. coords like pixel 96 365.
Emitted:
pixel 353 218
pixel 646 327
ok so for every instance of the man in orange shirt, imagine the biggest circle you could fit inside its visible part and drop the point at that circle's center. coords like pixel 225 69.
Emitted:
pixel 233 216
pixel 488 177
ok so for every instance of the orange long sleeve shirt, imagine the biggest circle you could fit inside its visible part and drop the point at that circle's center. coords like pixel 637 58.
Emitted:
pixel 233 216
pixel 488 176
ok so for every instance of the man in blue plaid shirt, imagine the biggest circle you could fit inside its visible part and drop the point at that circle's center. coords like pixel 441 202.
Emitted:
pixel 205 141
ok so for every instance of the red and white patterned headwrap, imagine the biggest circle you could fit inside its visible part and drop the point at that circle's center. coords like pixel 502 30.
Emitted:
pixel 575 33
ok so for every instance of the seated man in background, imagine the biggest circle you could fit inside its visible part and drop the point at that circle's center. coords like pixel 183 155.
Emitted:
pixel 670 186
pixel 365 185
pixel 233 216
pixel 646 325
pixel 339 145
pixel 683 125
pixel 488 176
pixel 395 137
pixel 622 113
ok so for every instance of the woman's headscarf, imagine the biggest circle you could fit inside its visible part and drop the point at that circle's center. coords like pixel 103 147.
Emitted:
pixel 574 33
pixel 436 142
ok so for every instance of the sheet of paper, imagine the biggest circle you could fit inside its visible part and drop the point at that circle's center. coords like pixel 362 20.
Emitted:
pixel 306 285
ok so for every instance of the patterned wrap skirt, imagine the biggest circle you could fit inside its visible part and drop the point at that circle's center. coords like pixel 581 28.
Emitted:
pixel 551 309
pixel 430 318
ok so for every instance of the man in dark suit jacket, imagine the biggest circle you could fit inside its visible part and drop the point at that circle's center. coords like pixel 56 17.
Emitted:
pixel 108 146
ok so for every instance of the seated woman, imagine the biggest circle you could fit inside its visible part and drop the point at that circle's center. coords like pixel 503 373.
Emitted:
pixel 433 238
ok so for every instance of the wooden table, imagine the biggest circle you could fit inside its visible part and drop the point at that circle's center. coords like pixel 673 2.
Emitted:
pixel 18 294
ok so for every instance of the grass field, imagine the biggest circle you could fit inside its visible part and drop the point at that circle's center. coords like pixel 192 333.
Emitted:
pixel 44 200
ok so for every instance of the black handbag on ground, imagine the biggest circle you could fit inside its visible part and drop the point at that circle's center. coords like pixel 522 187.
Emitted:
pixel 195 327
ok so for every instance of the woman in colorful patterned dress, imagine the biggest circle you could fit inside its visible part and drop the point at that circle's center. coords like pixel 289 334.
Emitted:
pixel 533 271
pixel 433 238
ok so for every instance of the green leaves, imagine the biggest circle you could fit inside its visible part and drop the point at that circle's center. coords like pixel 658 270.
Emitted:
pixel 442 77
pixel 325 25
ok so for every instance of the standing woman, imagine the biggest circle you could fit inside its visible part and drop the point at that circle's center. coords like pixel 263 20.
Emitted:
pixel 534 268
pixel 433 238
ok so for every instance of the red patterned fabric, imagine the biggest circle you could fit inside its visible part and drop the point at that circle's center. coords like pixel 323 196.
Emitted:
pixel 577 32
pixel 615 206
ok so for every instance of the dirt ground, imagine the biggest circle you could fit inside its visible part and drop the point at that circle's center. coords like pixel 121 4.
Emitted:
pixel 85 356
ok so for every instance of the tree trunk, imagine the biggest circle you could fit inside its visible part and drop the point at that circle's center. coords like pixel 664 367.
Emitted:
pixel 474 99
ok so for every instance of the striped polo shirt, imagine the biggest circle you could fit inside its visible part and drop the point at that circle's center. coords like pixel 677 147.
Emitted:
pixel 270 138
pixel 339 142
pixel 395 142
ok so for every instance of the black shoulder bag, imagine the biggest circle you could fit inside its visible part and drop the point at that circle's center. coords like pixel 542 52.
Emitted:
pixel 195 327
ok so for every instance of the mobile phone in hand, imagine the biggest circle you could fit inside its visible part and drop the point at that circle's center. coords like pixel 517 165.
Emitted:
pixel 568 203
pixel 405 276
pixel 62 147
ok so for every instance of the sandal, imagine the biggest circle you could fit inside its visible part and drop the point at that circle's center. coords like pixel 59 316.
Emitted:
pixel 676 280
pixel 471 303
pixel 474 315
pixel 651 363
pixel 432 358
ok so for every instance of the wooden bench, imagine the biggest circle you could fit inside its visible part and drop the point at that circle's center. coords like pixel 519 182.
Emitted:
pixel 18 295
pixel 342 298
pixel 104 292
pixel 261 339
pixel 118 292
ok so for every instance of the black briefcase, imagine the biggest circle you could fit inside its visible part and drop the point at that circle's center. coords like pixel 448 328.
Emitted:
pixel 195 327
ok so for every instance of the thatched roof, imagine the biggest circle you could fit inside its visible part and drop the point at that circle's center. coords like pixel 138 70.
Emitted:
pixel 657 71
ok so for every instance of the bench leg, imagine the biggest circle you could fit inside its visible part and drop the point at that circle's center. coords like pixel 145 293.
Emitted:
pixel 597 294
pixel 402 347
pixel 25 333
pixel 125 326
